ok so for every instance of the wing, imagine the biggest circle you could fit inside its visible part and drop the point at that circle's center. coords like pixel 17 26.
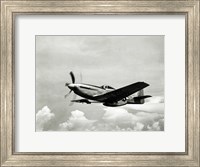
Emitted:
pixel 84 101
pixel 119 94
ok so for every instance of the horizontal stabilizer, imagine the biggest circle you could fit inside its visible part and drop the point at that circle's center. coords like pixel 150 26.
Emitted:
pixel 141 97
pixel 82 101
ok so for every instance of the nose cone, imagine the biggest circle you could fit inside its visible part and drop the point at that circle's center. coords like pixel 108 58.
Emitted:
pixel 71 86
pixel 66 84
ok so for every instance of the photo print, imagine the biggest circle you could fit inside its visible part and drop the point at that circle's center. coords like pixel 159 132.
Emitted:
pixel 99 83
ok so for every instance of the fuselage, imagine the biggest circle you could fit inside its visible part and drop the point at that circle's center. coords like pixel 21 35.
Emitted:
pixel 89 91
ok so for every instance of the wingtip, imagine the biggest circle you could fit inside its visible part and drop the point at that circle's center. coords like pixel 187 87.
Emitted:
pixel 146 84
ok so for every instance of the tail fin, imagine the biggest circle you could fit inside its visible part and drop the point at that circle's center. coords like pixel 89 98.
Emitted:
pixel 140 93
pixel 140 96
pixel 139 99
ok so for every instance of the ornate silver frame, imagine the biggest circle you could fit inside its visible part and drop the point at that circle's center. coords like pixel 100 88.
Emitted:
pixel 11 8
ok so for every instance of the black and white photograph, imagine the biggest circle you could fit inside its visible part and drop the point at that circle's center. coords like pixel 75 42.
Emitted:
pixel 99 83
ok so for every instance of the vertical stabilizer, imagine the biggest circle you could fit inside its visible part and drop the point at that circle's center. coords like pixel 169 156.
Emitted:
pixel 140 93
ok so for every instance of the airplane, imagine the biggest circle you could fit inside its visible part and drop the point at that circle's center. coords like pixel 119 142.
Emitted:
pixel 106 94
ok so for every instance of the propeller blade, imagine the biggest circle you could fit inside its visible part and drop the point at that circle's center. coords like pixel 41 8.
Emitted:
pixel 72 77
pixel 68 93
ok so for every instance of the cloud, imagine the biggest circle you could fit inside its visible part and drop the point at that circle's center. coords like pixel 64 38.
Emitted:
pixel 145 117
pixel 156 126
pixel 120 119
pixel 139 126
pixel 114 119
pixel 147 107
pixel 118 115
pixel 77 122
pixel 43 117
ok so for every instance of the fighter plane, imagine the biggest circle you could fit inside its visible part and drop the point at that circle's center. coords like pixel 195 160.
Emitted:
pixel 106 94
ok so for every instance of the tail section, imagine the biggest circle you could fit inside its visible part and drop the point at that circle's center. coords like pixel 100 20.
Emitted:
pixel 139 99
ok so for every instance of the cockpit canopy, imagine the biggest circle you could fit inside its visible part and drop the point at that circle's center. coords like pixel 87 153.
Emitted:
pixel 107 87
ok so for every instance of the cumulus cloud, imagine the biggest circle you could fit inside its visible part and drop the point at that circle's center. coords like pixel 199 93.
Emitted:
pixel 118 115
pixel 156 126
pixel 143 117
pixel 139 126
pixel 43 117
pixel 115 119
pixel 121 119
pixel 147 107
pixel 77 121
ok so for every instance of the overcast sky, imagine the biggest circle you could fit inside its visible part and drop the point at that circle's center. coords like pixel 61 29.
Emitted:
pixel 112 60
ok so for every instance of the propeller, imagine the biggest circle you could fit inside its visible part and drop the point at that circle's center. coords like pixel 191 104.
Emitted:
pixel 67 84
pixel 68 94
pixel 73 81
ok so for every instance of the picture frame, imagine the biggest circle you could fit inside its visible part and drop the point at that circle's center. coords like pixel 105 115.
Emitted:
pixel 10 9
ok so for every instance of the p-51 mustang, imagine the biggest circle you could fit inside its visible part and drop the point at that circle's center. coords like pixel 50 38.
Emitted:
pixel 108 95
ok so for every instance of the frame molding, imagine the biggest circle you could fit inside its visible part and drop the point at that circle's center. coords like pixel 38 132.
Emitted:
pixel 11 8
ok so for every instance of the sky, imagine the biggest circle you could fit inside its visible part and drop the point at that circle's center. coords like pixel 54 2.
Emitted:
pixel 112 60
